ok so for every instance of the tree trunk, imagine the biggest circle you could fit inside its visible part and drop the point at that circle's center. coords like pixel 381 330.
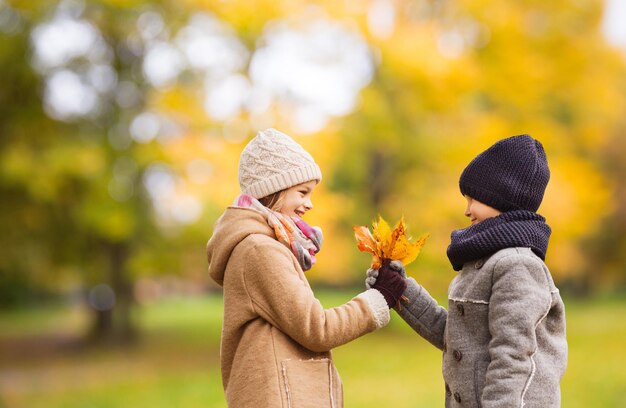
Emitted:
pixel 112 314
pixel 378 177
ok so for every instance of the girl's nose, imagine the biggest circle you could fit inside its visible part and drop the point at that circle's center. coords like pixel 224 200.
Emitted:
pixel 308 205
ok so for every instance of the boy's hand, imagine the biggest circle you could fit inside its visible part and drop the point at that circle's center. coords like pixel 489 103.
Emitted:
pixel 370 277
pixel 389 280
pixel 372 274
pixel 397 267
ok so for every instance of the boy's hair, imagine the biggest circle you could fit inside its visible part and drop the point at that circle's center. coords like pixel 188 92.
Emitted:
pixel 272 162
pixel 510 175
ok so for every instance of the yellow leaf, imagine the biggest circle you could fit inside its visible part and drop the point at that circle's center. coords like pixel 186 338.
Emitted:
pixel 412 250
pixel 383 243
pixel 365 240
pixel 382 235
pixel 398 232
pixel 377 262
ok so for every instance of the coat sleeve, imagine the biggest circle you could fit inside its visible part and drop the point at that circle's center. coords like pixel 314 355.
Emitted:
pixel 520 300
pixel 284 299
pixel 423 313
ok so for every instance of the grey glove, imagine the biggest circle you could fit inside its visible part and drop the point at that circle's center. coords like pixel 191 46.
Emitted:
pixel 372 274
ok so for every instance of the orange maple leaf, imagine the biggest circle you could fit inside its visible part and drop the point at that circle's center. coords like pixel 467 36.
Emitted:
pixel 384 243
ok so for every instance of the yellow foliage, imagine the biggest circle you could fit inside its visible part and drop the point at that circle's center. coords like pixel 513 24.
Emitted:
pixel 384 244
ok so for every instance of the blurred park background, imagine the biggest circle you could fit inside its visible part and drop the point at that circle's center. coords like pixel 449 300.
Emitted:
pixel 121 123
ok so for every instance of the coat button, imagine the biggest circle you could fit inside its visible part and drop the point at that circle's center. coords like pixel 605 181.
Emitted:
pixel 479 264
pixel 457 355
pixel 448 392
pixel 460 309
pixel 457 397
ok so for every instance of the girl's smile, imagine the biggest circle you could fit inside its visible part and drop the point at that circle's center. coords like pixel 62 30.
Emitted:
pixel 297 199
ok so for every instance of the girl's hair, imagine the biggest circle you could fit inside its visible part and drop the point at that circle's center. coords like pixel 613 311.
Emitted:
pixel 274 201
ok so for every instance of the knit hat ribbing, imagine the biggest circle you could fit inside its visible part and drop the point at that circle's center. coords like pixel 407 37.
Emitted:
pixel 510 175
pixel 272 162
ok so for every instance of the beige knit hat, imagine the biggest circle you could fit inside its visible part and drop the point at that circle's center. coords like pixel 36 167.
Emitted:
pixel 272 162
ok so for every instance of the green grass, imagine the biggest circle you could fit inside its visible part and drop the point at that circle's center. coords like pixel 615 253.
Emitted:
pixel 176 363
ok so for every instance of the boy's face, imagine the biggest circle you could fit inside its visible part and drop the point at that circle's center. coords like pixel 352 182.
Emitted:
pixel 297 199
pixel 477 211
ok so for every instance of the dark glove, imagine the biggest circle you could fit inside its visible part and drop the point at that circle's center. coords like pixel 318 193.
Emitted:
pixel 398 268
pixel 372 274
pixel 390 283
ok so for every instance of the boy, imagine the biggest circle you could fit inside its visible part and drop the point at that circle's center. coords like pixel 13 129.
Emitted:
pixel 503 335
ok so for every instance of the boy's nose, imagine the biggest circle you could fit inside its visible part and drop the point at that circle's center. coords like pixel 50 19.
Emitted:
pixel 467 207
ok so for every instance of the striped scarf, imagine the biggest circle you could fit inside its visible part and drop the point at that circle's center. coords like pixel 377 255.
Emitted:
pixel 303 240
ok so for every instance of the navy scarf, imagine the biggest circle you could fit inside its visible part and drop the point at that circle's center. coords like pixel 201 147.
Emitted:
pixel 510 229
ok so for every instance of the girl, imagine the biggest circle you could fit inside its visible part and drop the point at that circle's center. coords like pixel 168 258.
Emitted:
pixel 276 336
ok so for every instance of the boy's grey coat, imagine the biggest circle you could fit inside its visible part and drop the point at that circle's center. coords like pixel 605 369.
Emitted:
pixel 503 335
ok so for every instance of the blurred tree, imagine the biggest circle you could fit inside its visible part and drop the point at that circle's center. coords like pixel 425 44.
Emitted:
pixel 57 179
pixel 78 204
pixel 607 249
pixel 21 219
pixel 453 78
pixel 122 122
pixel 139 115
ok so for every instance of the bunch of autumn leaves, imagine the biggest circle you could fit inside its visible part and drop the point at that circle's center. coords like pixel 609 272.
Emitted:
pixel 387 244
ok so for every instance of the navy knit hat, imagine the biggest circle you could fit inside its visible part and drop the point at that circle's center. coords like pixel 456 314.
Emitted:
pixel 510 175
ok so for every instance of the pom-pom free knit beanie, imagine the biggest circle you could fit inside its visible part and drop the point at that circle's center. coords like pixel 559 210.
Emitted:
pixel 510 175
pixel 272 162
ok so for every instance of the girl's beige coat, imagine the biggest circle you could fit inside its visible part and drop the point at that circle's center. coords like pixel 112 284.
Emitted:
pixel 276 336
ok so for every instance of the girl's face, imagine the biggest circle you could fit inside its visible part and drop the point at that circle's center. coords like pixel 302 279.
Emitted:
pixel 297 199
pixel 477 211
